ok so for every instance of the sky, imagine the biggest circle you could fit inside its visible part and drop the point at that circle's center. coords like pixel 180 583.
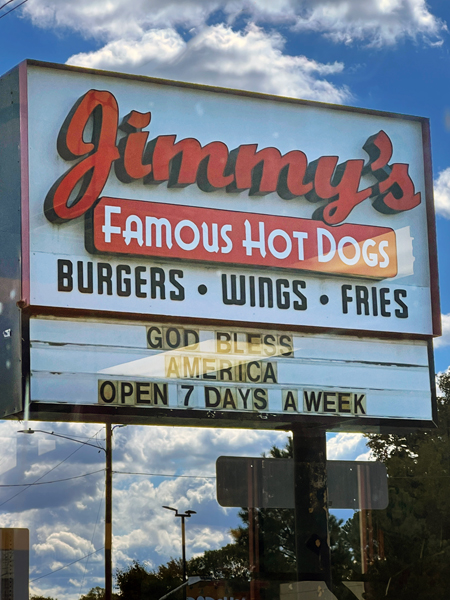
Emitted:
pixel 391 55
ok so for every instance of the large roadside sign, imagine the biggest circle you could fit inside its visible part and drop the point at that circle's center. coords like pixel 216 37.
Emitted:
pixel 187 254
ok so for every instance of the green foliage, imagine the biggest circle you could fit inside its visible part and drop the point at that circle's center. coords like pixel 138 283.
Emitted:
pixel 97 593
pixel 137 582
pixel 42 598
pixel 412 551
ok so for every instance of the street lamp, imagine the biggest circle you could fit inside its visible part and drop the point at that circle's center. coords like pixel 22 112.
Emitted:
pixel 108 495
pixel 182 516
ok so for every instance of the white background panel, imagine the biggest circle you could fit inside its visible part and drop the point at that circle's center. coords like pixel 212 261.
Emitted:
pixel 67 366
pixel 234 120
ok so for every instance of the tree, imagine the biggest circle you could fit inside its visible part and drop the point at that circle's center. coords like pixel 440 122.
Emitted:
pixel 97 593
pixel 411 538
pixel 137 582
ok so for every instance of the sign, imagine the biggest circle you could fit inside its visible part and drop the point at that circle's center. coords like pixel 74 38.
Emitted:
pixel 257 224
pixel 269 483
pixel 14 563
pixel 257 377
pixel 185 202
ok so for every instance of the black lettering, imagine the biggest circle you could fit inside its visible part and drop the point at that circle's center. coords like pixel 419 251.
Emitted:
pixel 210 403
pixel 190 389
pixel 89 287
pixel 344 403
pixel 236 348
pixel 269 374
pixel 139 282
pixel 286 342
pixel 104 275
pixel 298 285
pixel 283 299
pixel 403 313
pixel 223 340
pixel 312 400
pixel 228 400
pixel 254 378
pixel 241 372
pixel 173 338
pixel 267 283
pixel 254 343
pixel 244 398
pixel 362 299
pixel 269 341
pixel 123 284
pixel 65 275
pixel 142 392
pixel 177 295
pixel 228 370
pixel 108 397
pixel 329 405
pixel 191 339
pixel 384 302
pixel 358 404
pixel 154 341
pixel 346 299
pixel 260 399
pixel 233 298
pixel 160 392
pixel 209 364
pixel 126 390
pixel 289 403
pixel 157 281
pixel 374 302
pixel 252 290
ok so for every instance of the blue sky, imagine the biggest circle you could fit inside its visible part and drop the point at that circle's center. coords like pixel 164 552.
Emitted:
pixel 391 55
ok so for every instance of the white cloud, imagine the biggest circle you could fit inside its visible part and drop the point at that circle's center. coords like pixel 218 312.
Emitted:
pixel 444 340
pixel 252 59
pixel 442 193
pixel 347 446
pixel 377 22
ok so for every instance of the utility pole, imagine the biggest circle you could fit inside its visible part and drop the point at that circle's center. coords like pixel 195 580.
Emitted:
pixel 108 514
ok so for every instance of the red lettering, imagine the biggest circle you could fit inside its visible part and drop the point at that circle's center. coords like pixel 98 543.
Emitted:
pixel 395 191
pixel 93 170
pixel 266 171
pixel 213 167
pixel 186 162
pixel 130 166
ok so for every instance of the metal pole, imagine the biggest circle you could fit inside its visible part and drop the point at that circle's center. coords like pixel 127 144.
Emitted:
pixel 108 514
pixel 183 546
pixel 311 510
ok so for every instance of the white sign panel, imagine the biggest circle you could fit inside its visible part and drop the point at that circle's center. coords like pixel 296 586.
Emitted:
pixel 153 199
pixel 269 375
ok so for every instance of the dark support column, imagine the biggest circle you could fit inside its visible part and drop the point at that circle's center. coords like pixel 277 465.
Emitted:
pixel 311 512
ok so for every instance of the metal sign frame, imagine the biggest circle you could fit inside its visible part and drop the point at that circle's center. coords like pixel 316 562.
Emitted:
pixel 19 309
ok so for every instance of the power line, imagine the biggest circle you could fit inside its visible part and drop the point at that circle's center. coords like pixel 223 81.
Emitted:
pixel 47 482
pixel 45 474
pixel 12 9
pixel 165 475
pixel 6 4
pixel 68 565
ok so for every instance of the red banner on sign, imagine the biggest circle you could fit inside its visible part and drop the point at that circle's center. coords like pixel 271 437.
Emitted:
pixel 139 228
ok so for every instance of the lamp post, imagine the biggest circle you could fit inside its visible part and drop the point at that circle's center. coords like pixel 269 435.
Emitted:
pixel 108 495
pixel 182 516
